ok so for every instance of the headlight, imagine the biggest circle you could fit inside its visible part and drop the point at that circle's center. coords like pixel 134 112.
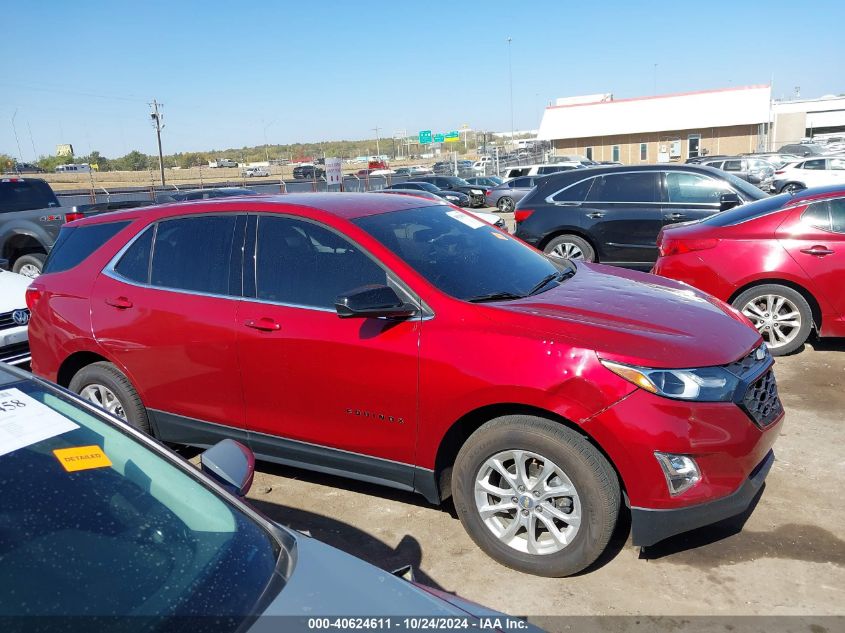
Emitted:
pixel 707 384
pixel 452 198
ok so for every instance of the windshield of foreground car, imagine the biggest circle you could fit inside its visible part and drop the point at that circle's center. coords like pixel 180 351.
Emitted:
pixel 459 254
pixel 126 534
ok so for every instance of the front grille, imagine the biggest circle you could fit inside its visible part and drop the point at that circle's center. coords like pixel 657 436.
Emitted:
pixel 6 320
pixel 749 363
pixel 761 401
pixel 14 353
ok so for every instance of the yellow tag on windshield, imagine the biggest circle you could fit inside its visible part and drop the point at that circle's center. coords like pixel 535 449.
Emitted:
pixel 81 458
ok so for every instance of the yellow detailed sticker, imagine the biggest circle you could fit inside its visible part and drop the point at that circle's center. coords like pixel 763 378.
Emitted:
pixel 81 458
pixel 498 235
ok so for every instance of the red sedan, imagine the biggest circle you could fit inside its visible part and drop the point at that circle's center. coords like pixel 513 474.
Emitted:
pixel 780 261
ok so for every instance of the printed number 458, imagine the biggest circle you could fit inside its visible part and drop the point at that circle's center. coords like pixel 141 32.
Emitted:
pixel 11 405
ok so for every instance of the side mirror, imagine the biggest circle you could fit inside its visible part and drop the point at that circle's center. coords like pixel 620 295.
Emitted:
pixel 230 464
pixel 728 201
pixel 373 301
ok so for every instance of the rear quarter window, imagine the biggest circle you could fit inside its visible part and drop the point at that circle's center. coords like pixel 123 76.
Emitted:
pixel 75 244
pixel 25 195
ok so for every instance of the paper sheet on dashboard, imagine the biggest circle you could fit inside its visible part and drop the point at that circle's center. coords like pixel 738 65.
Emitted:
pixel 25 421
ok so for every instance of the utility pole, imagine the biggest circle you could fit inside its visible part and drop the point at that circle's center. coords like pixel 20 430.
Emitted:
pixel 376 130
pixel 155 118
pixel 510 82
pixel 15 130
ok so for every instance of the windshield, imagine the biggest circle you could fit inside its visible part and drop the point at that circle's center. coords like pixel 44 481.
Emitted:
pixel 25 195
pixel 459 254
pixel 94 523
pixel 748 211
pixel 460 182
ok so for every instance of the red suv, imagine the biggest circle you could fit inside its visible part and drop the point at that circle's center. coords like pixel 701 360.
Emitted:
pixel 780 260
pixel 402 341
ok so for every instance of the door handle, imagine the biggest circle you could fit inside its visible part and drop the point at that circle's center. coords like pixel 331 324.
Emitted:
pixel 265 324
pixel 121 303
pixel 818 251
pixel 595 215
pixel 677 216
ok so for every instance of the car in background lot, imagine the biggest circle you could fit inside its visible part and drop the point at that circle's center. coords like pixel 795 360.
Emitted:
pixel 579 383
pixel 310 172
pixel 25 168
pixel 757 171
pixel 30 218
pixel 811 172
pixel 777 159
pixel 614 214
pixel 255 172
pixel 490 218
pixel 780 261
pixel 803 149
pixel 151 534
pixel 204 194
pixel 485 181
pixel 505 196
pixel 453 183
pixel 14 317
pixel 457 198
pixel 540 170
pixel 697 160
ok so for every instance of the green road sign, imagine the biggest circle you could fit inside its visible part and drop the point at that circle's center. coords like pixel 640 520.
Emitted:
pixel 438 138
pixel 425 137
pixel 452 135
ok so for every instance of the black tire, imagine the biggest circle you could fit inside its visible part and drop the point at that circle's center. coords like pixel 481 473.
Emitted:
pixel 28 262
pixel 567 240
pixel 505 204
pixel 792 187
pixel 796 298
pixel 588 470
pixel 106 374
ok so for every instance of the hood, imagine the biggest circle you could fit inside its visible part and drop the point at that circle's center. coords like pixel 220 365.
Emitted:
pixel 13 291
pixel 638 318
pixel 328 582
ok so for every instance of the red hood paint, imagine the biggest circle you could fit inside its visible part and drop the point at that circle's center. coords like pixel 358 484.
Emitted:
pixel 638 318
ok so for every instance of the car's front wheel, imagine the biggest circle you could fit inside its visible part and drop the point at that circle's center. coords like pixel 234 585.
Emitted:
pixel 30 265
pixel 535 495
pixel 792 187
pixel 107 387
pixel 781 315
pixel 505 204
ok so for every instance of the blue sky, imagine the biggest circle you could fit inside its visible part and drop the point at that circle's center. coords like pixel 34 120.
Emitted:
pixel 82 72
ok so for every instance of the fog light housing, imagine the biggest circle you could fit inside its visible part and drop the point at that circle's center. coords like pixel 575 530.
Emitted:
pixel 681 472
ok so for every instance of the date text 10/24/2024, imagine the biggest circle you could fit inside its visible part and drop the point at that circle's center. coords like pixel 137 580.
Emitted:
pixel 492 623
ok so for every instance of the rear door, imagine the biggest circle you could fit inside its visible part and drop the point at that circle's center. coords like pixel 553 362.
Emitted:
pixel 165 311
pixel 816 240
pixel 623 214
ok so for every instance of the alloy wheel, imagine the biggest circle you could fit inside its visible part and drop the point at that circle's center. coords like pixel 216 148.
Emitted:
pixel 567 250
pixel 505 205
pixel 30 270
pixel 776 318
pixel 104 398
pixel 527 502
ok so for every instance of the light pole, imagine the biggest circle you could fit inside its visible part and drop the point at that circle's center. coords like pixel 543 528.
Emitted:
pixel 510 83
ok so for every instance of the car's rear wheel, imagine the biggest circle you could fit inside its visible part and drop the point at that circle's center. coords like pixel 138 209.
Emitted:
pixel 505 204
pixel 781 315
pixel 30 265
pixel 570 247
pixel 106 386
pixel 792 187
pixel 535 495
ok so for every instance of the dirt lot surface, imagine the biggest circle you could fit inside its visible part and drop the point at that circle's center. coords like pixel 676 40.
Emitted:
pixel 789 557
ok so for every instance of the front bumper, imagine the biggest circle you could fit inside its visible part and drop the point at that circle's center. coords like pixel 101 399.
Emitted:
pixel 649 526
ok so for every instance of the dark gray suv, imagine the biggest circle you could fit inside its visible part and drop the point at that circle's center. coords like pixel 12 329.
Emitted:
pixel 614 214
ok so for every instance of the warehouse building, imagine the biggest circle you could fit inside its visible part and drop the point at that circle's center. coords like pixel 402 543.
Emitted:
pixel 663 128
pixel 797 119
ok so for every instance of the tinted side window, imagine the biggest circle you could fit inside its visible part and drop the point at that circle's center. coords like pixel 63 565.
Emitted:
pixel 76 244
pixel 818 163
pixel 828 215
pixel 693 188
pixel 135 263
pixel 732 165
pixel 715 164
pixel 23 195
pixel 837 215
pixel 576 193
pixel 836 163
pixel 626 187
pixel 520 182
pixel 305 264
pixel 194 254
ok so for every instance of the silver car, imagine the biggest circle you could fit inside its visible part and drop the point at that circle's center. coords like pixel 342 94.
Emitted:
pixel 505 196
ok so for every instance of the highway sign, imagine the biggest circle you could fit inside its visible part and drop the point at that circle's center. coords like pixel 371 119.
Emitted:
pixel 438 138
pixel 425 137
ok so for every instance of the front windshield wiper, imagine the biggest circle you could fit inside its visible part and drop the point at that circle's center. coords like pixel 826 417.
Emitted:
pixel 495 296
pixel 558 276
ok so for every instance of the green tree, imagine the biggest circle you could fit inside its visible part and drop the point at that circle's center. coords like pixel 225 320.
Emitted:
pixel 133 161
